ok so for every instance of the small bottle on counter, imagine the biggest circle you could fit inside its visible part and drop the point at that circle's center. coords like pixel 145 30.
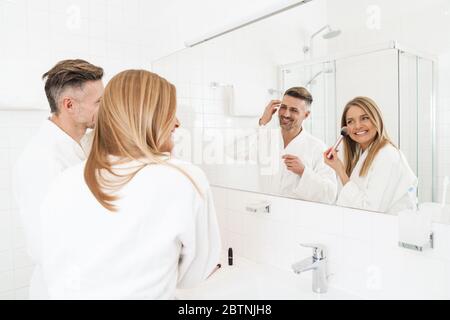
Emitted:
pixel 230 256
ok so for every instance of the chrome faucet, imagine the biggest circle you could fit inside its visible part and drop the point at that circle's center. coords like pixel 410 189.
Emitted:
pixel 318 264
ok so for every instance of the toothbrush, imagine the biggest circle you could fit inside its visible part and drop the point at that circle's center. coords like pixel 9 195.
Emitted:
pixel 444 191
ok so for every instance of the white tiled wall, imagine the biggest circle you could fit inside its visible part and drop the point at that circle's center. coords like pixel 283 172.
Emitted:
pixel 35 34
pixel 362 247
pixel 16 128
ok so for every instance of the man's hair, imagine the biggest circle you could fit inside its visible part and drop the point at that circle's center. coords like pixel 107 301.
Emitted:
pixel 68 73
pixel 300 93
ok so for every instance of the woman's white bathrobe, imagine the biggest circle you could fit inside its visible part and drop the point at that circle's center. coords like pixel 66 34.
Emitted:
pixel 385 188
pixel 164 234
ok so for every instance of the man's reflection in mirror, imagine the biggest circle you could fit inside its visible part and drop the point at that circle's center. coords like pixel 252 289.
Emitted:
pixel 300 170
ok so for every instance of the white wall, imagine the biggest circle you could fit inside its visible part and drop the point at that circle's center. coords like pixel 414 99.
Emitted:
pixel 173 22
pixel 382 84
pixel 418 24
pixel 35 34
pixel 115 34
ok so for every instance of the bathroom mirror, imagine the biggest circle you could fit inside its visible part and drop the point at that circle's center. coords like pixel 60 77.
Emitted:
pixel 337 50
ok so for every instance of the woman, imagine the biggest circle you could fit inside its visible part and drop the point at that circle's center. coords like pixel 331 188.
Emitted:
pixel 375 174
pixel 130 223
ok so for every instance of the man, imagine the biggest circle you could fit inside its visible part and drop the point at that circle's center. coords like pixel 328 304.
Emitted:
pixel 74 89
pixel 301 172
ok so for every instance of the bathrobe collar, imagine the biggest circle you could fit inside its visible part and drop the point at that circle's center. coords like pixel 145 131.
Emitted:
pixel 65 143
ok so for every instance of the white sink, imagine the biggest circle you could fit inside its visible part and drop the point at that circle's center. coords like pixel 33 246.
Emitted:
pixel 247 280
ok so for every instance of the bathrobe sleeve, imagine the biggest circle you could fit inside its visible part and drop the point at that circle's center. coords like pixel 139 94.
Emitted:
pixel 201 245
pixel 318 183
pixel 376 191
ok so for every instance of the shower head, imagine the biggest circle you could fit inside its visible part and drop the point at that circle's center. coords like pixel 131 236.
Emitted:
pixel 328 35
pixel 331 34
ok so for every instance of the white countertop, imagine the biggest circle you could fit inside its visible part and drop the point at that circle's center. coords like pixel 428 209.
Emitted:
pixel 247 280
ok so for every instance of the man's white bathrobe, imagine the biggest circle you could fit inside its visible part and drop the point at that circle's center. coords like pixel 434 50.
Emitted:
pixel 50 152
pixel 317 183
pixel 164 234
pixel 385 188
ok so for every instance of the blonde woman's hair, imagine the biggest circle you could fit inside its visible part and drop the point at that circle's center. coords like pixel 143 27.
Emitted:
pixel 135 120
pixel 351 148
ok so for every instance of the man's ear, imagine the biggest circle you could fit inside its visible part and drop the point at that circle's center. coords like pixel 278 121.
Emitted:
pixel 67 104
pixel 307 114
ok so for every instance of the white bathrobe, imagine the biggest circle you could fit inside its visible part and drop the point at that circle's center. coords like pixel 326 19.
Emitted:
pixel 164 234
pixel 50 152
pixel 317 183
pixel 385 188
